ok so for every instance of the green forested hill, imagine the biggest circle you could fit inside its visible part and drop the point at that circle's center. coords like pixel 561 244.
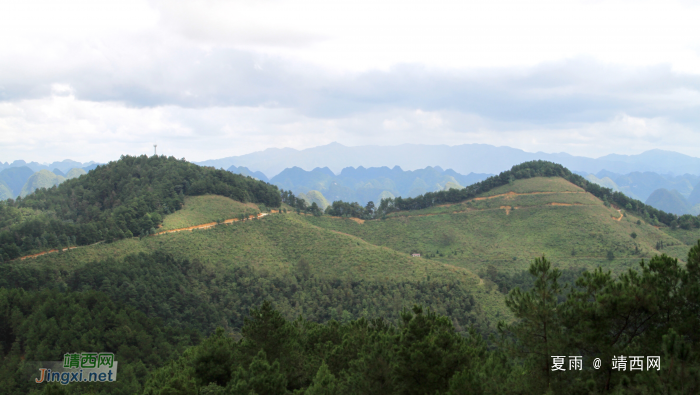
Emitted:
pixel 512 224
pixel 75 173
pixel 304 269
pixel 324 304
pixel 525 171
pixel 44 325
pixel 650 313
pixel 41 179
pixel 118 200
pixel 314 197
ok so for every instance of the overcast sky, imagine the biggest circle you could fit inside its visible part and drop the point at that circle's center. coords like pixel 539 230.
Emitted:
pixel 92 80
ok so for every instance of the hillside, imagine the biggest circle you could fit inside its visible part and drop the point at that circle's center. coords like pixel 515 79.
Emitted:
pixel 197 210
pixel 337 287
pixel 511 225
pixel 5 191
pixel 606 182
pixel 315 197
pixel 486 242
pixel 280 257
pixel 41 179
pixel 118 200
pixel 15 178
pixel 669 201
pixel 22 180
pixel 280 249
pixel 75 173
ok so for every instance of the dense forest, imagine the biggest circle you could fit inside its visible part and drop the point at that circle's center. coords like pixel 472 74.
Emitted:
pixel 42 325
pixel 124 198
pixel 188 294
pixel 652 311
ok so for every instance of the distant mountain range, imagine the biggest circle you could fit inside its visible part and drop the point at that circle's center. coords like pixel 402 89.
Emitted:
pixel 363 185
pixel 371 172
pixel 670 201
pixel 640 185
pixel 674 194
pixel 63 166
pixel 464 159
pixel 22 180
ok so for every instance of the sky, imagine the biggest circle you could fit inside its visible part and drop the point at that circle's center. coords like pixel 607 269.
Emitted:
pixel 93 80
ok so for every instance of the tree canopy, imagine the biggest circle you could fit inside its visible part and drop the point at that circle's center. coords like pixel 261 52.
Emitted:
pixel 123 198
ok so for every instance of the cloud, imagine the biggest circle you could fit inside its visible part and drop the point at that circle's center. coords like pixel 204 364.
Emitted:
pixel 63 126
pixel 217 78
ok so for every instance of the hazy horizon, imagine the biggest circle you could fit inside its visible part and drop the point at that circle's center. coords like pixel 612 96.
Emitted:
pixel 9 162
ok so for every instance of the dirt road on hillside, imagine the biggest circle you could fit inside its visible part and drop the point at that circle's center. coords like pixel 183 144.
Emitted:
pixel 190 228
pixel 210 224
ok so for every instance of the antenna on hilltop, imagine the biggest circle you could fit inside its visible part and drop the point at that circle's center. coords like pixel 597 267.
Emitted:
pixel 155 149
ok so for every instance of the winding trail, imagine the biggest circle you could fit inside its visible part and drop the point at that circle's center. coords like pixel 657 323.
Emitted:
pixel 210 224
pixel 44 253
pixel 190 228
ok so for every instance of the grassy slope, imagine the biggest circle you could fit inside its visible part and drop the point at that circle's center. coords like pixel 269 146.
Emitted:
pixel 274 243
pixel 204 209
pixel 478 233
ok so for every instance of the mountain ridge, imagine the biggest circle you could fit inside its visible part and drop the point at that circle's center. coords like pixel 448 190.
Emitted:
pixel 465 158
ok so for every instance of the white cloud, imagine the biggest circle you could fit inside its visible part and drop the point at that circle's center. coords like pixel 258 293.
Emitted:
pixel 91 80
pixel 61 126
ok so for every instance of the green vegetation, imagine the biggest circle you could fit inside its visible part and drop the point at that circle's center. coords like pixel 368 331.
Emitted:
pixel 605 182
pixel 119 200
pixel 534 184
pixel 191 294
pixel 75 173
pixel 477 233
pixel 312 197
pixel 524 171
pixel 333 290
pixel 419 354
pixel 274 244
pixel 653 311
pixel 41 179
pixel 669 201
pixel 198 210
pixel 5 191
pixel 44 325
